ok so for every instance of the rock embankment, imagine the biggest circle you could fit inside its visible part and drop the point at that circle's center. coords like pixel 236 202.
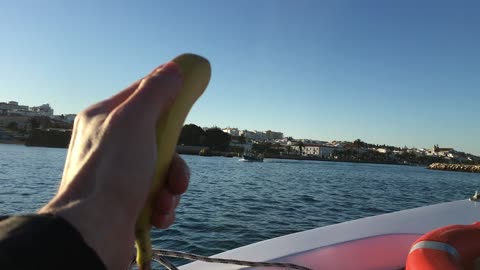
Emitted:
pixel 455 167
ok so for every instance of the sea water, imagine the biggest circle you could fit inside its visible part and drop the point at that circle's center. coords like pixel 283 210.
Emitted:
pixel 231 203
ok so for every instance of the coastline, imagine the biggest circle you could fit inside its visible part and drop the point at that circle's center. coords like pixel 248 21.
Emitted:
pixel 183 151
pixel 193 150
pixel 17 142
pixel 340 160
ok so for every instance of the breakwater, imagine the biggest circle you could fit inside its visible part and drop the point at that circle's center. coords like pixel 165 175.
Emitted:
pixel 455 167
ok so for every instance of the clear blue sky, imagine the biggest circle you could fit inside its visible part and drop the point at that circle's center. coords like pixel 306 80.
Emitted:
pixel 399 73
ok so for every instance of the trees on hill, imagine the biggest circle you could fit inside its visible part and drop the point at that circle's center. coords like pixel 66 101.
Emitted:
pixel 217 139
pixel 214 138
pixel 192 135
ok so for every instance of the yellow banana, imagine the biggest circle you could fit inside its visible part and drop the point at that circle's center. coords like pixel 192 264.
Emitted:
pixel 195 72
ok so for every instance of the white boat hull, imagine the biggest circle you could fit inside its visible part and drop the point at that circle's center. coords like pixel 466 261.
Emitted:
pixel 378 242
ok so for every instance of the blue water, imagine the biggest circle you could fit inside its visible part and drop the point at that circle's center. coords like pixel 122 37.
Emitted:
pixel 231 203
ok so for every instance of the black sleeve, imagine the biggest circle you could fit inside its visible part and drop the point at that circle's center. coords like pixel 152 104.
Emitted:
pixel 44 242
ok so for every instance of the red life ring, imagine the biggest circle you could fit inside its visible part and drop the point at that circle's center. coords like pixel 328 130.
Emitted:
pixel 455 247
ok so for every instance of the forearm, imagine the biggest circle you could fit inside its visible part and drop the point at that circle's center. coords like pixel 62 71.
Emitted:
pixel 102 225
pixel 44 242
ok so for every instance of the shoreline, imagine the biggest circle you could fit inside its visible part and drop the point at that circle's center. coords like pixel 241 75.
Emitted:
pixel 233 155
pixel 340 160
pixel 188 151
pixel 17 142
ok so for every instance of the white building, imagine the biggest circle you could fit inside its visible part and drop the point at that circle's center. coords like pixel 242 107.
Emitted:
pixel 311 150
pixel 314 150
pixel 326 151
pixel 337 144
pixel 259 136
pixel 283 141
pixel 382 150
pixel 12 107
pixel 248 134
pixel 254 135
pixel 4 108
pixel 232 131
pixel 43 110
pixel 273 135
pixel 443 152
pixel 24 113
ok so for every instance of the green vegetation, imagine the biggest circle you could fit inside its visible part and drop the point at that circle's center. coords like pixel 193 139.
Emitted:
pixel 217 139
pixel 214 138
pixel 192 135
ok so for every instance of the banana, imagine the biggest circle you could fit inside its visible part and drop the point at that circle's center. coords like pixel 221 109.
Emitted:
pixel 195 72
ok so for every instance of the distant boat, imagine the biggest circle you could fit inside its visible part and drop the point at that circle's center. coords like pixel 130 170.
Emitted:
pixel 252 158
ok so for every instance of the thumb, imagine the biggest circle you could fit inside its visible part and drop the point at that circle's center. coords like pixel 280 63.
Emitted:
pixel 153 96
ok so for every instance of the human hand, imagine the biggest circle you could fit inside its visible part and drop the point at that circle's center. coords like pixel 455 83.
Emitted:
pixel 110 166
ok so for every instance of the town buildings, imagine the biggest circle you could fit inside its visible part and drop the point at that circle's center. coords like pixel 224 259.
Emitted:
pixel 314 150
pixel 257 136
pixel 13 108
pixel 335 149
pixel 14 114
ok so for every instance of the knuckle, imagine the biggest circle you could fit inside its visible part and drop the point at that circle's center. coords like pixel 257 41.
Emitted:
pixel 81 117
pixel 117 119
pixel 87 113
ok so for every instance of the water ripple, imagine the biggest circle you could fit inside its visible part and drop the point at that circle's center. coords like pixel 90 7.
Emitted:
pixel 231 204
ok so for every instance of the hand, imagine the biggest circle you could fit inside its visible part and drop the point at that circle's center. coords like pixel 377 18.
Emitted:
pixel 110 166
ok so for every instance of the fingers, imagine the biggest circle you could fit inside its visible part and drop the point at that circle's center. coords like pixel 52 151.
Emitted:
pixel 111 103
pixel 178 175
pixel 163 214
pixel 152 97
pixel 114 101
pixel 163 221
pixel 167 200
